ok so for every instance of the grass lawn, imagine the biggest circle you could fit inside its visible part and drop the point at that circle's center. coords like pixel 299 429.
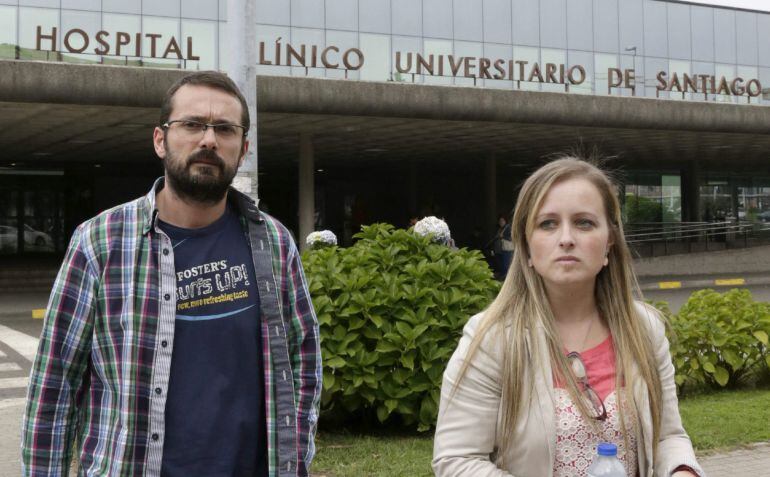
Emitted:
pixel 727 418
pixel 714 421
pixel 345 455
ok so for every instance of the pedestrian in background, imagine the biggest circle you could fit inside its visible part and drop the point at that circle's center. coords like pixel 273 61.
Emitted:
pixel 179 339
pixel 502 248
pixel 564 358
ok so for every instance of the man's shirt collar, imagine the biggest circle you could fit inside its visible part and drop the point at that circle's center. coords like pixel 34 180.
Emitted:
pixel 244 204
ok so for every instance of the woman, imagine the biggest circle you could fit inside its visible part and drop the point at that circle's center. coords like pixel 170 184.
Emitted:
pixel 564 357
pixel 503 246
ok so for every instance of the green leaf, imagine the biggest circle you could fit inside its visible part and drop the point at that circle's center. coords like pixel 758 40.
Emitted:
pixel 408 360
pixel 386 347
pixel 709 368
pixel 377 320
pixel 328 381
pixel 391 405
pixel 404 329
pixel 382 413
pixel 428 410
pixel 721 376
pixel 335 362
pixel 761 336
pixel 732 359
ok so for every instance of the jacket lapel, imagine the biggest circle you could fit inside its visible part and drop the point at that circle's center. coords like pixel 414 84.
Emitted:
pixel 644 431
pixel 543 379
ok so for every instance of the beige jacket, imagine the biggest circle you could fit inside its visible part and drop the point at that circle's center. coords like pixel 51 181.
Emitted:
pixel 468 428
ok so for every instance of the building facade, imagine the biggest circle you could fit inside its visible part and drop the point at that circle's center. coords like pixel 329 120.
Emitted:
pixel 671 51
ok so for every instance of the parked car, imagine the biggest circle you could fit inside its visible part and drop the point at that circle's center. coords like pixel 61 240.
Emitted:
pixel 8 238
pixel 34 240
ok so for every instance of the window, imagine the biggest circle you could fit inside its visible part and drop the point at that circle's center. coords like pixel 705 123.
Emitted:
pixel 377 51
pixel 46 19
pixel 202 43
pixel 527 56
pixel 557 58
pixel 165 50
pixel 586 60
pixel 436 48
pixel 7 32
pixel 681 68
pixel 90 23
pixel 603 63
pixel 131 24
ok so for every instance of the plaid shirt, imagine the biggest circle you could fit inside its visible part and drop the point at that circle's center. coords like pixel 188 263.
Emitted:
pixel 104 357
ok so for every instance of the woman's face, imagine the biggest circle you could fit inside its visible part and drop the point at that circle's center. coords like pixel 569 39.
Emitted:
pixel 501 222
pixel 570 239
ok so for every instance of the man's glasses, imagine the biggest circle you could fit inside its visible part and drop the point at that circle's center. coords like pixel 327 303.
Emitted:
pixel 195 129
pixel 579 369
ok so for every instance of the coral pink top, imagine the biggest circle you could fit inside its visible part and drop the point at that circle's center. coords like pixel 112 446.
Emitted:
pixel 576 439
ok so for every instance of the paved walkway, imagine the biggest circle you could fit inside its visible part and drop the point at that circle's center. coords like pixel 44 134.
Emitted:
pixel 753 461
pixel 18 339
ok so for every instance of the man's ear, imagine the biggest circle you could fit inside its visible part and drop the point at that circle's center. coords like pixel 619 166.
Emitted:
pixel 244 150
pixel 157 141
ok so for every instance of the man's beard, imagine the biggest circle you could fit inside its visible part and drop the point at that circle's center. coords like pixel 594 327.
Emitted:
pixel 205 186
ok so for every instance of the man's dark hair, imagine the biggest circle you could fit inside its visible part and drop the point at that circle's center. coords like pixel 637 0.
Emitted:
pixel 211 79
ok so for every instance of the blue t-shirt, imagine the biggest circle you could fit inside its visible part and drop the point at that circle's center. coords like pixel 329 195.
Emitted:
pixel 215 408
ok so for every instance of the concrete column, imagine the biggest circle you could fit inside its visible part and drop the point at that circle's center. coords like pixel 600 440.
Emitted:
pixel 306 189
pixel 490 198
pixel 691 192
pixel 241 66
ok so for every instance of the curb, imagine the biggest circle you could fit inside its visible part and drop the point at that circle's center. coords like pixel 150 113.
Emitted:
pixel 710 283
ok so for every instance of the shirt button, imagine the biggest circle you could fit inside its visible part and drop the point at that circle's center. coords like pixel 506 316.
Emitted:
pixel 165 251
pixel 155 437
pixel 164 343
pixel 158 390
pixel 166 297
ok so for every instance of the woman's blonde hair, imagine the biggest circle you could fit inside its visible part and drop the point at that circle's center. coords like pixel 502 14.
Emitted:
pixel 522 306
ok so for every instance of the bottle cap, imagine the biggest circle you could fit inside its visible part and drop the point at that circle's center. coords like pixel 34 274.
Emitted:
pixel 605 448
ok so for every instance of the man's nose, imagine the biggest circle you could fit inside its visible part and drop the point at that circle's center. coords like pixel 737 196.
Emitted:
pixel 209 138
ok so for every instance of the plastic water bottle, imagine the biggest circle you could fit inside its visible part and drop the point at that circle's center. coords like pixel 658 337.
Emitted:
pixel 606 463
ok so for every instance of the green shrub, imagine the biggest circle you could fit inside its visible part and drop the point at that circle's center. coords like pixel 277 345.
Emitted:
pixel 720 340
pixel 391 310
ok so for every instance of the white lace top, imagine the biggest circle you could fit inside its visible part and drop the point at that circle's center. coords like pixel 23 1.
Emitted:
pixel 576 440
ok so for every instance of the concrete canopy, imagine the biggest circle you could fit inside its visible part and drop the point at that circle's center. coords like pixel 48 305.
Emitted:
pixel 52 114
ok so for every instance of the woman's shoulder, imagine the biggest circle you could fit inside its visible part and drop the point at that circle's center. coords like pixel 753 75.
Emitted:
pixel 490 334
pixel 651 317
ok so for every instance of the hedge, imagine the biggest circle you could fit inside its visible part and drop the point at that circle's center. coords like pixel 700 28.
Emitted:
pixel 391 309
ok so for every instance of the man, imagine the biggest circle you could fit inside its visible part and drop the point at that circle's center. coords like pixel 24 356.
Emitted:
pixel 179 339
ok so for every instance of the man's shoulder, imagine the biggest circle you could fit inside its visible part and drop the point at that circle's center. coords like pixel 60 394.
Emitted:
pixel 126 213
pixel 280 234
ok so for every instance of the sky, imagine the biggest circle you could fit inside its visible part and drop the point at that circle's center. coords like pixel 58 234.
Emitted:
pixel 763 5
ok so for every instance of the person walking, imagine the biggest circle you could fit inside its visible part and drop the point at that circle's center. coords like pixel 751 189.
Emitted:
pixel 179 338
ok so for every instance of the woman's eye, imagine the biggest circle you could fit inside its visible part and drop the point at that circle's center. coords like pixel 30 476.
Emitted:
pixel 547 224
pixel 585 223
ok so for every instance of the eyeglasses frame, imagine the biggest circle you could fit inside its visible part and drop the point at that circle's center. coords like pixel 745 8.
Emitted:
pixel 587 389
pixel 165 126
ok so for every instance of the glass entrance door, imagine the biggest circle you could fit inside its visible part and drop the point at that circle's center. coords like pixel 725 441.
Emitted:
pixel 31 215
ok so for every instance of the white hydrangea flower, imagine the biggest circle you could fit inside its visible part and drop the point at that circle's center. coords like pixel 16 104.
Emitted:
pixel 435 227
pixel 322 237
